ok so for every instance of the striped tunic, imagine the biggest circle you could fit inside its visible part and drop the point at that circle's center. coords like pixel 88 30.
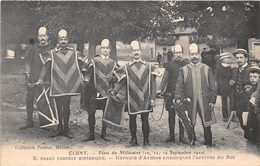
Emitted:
pixel 102 68
pixel 139 85
pixel 198 84
pixel 66 78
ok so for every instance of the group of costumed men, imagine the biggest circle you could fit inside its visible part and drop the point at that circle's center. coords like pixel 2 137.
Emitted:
pixel 54 74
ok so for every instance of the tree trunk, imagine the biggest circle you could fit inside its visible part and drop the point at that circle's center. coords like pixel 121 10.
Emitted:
pixel 92 48
pixel 113 53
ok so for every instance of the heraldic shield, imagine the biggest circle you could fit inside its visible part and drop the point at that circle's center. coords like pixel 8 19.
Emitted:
pixel 115 107
pixel 48 114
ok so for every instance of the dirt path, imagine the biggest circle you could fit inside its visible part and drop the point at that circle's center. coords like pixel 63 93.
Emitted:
pixel 13 114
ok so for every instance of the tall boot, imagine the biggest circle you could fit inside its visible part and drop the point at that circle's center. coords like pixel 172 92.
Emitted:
pixel 67 133
pixel 58 131
pixel 181 133
pixel 103 131
pixel 145 128
pixel 132 126
pixel 133 141
pixel 29 110
pixel 146 139
pixel 91 123
pixel 171 121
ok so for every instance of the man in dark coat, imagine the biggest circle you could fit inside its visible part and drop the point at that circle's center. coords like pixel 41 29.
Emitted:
pixel 223 76
pixel 239 77
pixel 32 70
pixel 169 80
pixel 197 82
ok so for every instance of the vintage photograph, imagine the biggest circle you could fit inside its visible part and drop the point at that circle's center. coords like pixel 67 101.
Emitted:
pixel 130 83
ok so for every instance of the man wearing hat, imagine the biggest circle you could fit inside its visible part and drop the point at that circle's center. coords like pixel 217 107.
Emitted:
pixel 240 76
pixel 99 77
pixel 223 76
pixel 139 78
pixel 197 82
pixel 254 62
pixel 252 122
pixel 257 111
pixel 32 70
pixel 169 79
pixel 64 64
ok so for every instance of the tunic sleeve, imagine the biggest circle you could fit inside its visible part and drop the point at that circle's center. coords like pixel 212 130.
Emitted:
pixel 213 87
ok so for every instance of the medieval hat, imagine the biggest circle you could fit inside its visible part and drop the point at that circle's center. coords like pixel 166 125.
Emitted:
pixel 177 48
pixel 241 51
pixel 135 45
pixel 105 43
pixel 42 30
pixel 62 33
pixel 194 48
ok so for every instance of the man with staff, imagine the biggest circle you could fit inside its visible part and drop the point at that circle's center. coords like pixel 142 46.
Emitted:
pixel 32 70
pixel 169 80
pixel 196 82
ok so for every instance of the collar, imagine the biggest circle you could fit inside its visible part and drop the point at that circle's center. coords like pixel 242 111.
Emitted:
pixel 104 57
pixel 195 65
pixel 135 61
pixel 58 48
pixel 244 66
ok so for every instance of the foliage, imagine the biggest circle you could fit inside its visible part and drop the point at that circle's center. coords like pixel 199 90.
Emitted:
pixel 221 19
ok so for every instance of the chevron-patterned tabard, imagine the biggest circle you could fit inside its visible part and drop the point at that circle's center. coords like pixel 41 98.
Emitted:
pixel 65 73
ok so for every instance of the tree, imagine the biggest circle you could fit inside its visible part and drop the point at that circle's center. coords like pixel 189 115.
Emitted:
pixel 93 21
pixel 18 25
pixel 225 19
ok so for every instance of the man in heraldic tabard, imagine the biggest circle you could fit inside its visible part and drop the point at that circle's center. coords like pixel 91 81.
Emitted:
pixel 139 78
pixel 64 64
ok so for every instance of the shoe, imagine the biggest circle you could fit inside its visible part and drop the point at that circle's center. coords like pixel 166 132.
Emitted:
pixel 225 119
pixel 170 139
pixel 102 136
pixel 58 132
pixel 90 138
pixel 68 134
pixel 146 143
pixel 183 140
pixel 28 125
pixel 133 143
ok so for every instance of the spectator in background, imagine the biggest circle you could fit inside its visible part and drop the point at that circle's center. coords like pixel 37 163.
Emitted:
pixel 239 77
pixel 257 110
pixel 159 59
pixel 250 88
pixel 254 62
pixel 170 55
pixel 209 59
pixel 223 76
pixel 165 56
